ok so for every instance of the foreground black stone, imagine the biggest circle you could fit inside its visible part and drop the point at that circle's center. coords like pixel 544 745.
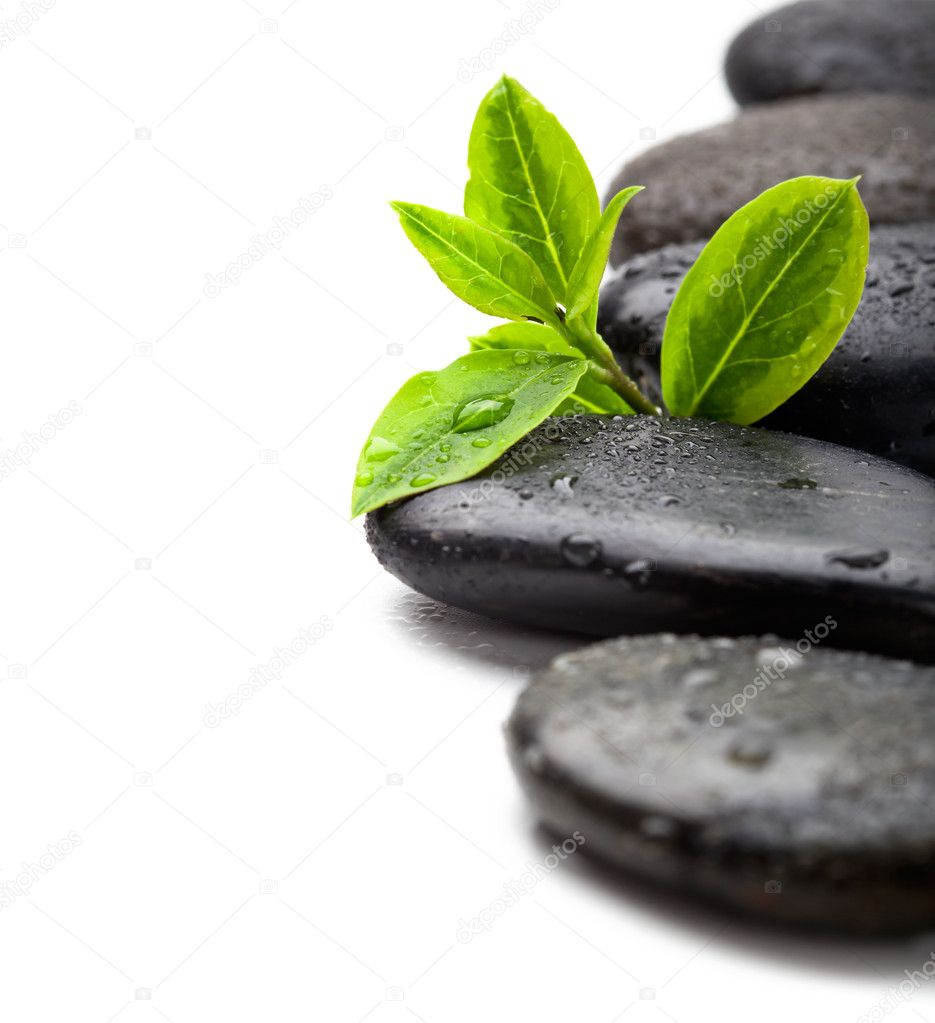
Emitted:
pixel 608 526
pixel 835 46
pixel 695 182
pixel 798 788
pixel 876 392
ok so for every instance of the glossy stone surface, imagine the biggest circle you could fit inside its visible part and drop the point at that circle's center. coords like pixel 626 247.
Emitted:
pixel 695 182
pixel 876 392
pixel 794 783
pixel 822 46
pixel 608 526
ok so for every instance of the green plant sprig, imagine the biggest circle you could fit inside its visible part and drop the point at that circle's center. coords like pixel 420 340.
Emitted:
pixel 762 307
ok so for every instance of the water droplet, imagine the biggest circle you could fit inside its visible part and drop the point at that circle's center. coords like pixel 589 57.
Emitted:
pixel 393 477
pixel 658 827
pixel 422 480
pixel 667 500
pixel 525 495
pixel 364 479
pixel 555 380
pixel 444 447
pixel 858 558
pixel 564 486
pixel 521 358
pixel 481 413
pixel 481 442
pixel 428 378
pixel 380 449
pixel 698 677
pixel 640 572
pixel 534 758
pixel 750 751
pixel 442 457
pixel 580 550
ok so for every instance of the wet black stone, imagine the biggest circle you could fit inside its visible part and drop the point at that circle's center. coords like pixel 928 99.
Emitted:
pixel 637 524
pixel 797 788
pixel 695 182
pixel 821 46
pixel 876 392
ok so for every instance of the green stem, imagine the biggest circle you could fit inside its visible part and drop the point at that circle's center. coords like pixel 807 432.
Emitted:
pixel 606 369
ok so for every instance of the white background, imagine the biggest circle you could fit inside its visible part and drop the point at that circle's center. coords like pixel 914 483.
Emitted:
pixel 311 857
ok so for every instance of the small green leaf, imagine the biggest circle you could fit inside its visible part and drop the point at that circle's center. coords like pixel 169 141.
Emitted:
pixel 481 268
pixel 590 395
pixel 529 182
pixel 766 302
pixel 585 281
pixel 446 426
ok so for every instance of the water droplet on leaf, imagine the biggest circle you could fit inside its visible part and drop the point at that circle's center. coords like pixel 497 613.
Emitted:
pixel 481 413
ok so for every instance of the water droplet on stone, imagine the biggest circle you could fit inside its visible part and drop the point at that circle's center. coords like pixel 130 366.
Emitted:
pixel 564 486
pixel 858 558
pixel 750 751
pixel 580 550
pixel 640 572
pixel 698 677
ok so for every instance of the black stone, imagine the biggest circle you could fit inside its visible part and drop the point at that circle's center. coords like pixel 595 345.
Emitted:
pixel 636 524
pixel 822 46
pixel 797 788
pixel 876 392
pixel 695 182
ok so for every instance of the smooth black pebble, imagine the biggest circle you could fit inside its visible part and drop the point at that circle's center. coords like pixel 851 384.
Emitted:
pixel 636 524
pixel 876 392
pixel 695 182
pixel 794 784
pixel 821 46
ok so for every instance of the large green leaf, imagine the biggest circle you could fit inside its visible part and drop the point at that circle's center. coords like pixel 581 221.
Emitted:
pixel 766 302
pixel 529 182
pixel 446 426
pixel 590 395
pixel 481 268
pixel 585 281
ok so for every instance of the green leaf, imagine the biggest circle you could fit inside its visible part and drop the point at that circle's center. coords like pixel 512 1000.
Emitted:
pixel 486 271
pixel 446 426
pixel 766 302
pixel 529 182
pixel 585 280
pixel 590 394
